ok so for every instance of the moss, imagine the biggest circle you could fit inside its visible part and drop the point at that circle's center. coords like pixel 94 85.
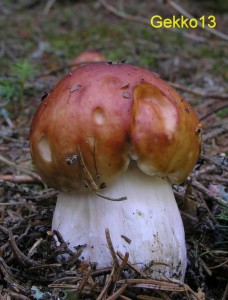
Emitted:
pixel 223 113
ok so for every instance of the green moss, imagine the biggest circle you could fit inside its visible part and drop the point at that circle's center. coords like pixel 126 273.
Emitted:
pixel 223 113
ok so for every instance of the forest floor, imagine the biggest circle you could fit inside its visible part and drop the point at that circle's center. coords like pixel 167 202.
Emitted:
pixel 38 40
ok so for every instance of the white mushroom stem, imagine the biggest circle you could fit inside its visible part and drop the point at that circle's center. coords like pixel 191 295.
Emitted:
pixel 147 225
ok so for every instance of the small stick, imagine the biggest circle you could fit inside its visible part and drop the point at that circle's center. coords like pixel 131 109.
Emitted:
pixel 101 272
pixel 108 283
pixel 111 249
pixel 124 262
pixel 48 6
pixel 34 247
pixel 62 280
pixel 23 259
pixel 126 298
pixel 198 93
pixel 111 199
pixel 134 268
pixel 88 177
pixel 44 195
pixel 95 286
pixel 211 160
pixel 62 242
pixel 121 267
pixel 208 194
pixel 93 152
pixel 19 178
pixel 15 295
pixel 189 16
pixel 29 193
pixel 12 204
pixel 75 258
pixel 16 188
pixel 155 284
pixel 45 266
pixel 218 266
pixel 6 270
pixel 90 182
pixel 117 293
pixel 213 112
pixel 3 213
pixel 162 285
pixel 146 21
pixel 9 277
pixel 122 14
pixel 4 230
pixel 83 282
pixel 63 286
pixel 19 168
pixel 215 132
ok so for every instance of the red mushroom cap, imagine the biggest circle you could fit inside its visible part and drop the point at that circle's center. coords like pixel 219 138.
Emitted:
pixel 87 56
pixel 100 116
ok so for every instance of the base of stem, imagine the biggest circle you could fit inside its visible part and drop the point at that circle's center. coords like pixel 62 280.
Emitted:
pixel 147 225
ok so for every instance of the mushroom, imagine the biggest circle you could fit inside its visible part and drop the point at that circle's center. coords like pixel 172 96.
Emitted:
pixel 87 56
pixel 113 138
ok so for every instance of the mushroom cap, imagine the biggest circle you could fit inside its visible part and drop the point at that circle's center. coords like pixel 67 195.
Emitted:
pixel 88 56
pixel 100 116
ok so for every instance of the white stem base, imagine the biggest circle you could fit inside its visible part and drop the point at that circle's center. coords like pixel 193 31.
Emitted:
pixel 149 218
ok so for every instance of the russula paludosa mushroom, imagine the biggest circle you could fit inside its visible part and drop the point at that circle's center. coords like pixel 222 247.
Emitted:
pixel 119 131
pixel 87 56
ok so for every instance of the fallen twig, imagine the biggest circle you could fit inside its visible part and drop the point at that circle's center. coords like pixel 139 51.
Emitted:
pixel 197 92
pixel 19 168
pixel 83 282
pixel 122 297
pixel 22 259
pixel 161 285
pixel 218 266
pixel 146 21
pixel 111 249
pixel 62 242
pixel 10 279
pixel 215 132
pixel 33 249
pixel 45 266
pixel 65 280
pixel 29 194
pixel 117 293
pixel 6 270
pixel 63 286
pixel 219 163
pixel 122 266
pixel 189 16
pixel 213 112
pixel 197 185
pixel 107 285
pixel 134 268
pixel 19 178
pixel 14 295
pixel 48 6
pixel 44 195
pixel 122 14
pixel 17 188
pixel 12 204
